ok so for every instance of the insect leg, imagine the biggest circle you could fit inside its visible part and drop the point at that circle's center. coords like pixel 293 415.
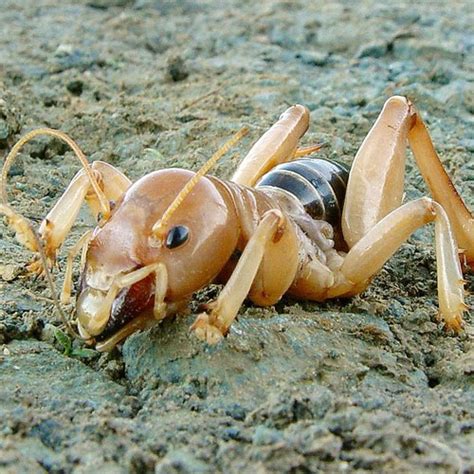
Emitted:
pixel 370 253
pixel 161 288
pixel 79 246
pixel 313 281
pixel 442 188
pixel 212 327
pixel 161 285
pixel 306 150
pixel 276 145
pixel 376 180
pixel 57 224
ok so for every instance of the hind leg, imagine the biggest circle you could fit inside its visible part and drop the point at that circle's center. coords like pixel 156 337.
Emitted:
pixel 370 253
pixel 441 188
pixel 374 196
pixel 376 181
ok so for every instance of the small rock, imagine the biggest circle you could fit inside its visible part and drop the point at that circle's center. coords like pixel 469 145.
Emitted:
pixel 342 422
pixel 313 58
pixel 48 333
pixel 236 411
pixel 372 50
pixel 264 436
pixel 176 69
pixel 104 4
pixel 4 130
pixel 155 44
pixel 75 87
pixel 9 272
pixel 232 432
pixel 396 309
pixel 340 146
pixel 181 461
pixel 64 50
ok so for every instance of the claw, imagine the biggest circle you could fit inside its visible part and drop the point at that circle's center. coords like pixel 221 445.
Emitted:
pixel 206 331
pixel 454 322
pixel 23 232
pixel 35 268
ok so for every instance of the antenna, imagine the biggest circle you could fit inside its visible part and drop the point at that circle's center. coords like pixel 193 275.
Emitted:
pixel 24 230
pixel 159 227
pixel 104 203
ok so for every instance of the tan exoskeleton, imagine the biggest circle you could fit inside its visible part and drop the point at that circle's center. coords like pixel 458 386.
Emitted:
pixel 174 231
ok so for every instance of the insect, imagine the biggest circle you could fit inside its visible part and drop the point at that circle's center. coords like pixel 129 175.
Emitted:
pixel 282 225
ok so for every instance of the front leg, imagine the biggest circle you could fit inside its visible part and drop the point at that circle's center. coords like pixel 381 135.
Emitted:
pixel 212 327
pixel 85 185
pixel 57 224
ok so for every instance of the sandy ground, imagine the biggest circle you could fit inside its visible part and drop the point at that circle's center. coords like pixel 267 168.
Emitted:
pixel 367 384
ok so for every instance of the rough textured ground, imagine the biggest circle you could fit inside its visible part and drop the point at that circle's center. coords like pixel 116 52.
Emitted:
pixel 372 383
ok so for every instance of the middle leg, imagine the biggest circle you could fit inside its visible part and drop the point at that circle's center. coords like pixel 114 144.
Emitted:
pixel 264 272
pixel 276 145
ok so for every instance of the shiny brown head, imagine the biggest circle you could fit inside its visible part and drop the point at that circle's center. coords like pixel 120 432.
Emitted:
pixel 198 240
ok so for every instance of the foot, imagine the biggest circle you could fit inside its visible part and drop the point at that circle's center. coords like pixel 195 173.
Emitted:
pixel 206 331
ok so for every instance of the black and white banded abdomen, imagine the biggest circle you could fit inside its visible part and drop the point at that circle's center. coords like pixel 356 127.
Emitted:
pixel 320 186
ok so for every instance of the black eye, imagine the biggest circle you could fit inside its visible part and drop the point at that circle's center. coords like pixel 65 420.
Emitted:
pixel 177 236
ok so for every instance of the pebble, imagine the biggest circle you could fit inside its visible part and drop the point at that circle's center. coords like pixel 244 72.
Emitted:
pixel 313 58
pixel 104 4
pixel 372 50
pixel 181 461
pixel 4 130
pixel 265 436
pixel 232 433
pixel 176 69
pixel 9 272
pixel 75 87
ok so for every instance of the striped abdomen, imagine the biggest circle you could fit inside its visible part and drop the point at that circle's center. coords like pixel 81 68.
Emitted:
pixel 320 185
